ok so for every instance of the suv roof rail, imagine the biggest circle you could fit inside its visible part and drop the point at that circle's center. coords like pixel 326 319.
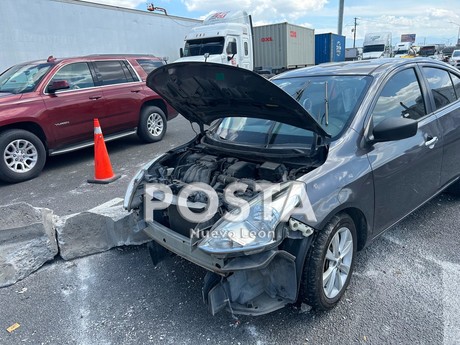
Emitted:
pixel 126 55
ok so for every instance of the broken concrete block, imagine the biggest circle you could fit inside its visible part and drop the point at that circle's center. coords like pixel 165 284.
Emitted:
pixel 27 241
pixel 99 229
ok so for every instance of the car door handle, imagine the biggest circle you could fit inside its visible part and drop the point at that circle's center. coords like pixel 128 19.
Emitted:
pixel 94 97
pixel 431 142
pixel 136 91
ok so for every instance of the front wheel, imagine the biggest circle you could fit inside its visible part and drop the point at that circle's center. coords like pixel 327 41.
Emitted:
pixel 329 266
pixel 152 124
pixel 23 155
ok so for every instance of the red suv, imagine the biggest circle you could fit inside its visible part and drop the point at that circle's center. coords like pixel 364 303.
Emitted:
pixel 47 107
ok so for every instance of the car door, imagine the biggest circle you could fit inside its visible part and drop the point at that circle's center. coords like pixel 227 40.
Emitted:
pixel 445 90
pixel 122 91
pixel 72 111
pixel 406 172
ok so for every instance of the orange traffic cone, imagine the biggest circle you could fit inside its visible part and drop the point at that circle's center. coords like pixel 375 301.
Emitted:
pixel 103 172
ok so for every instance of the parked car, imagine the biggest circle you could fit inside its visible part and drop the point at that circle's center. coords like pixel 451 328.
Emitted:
pixel 455 58
pixel 293 176
pixel 47 107
pixel 447 53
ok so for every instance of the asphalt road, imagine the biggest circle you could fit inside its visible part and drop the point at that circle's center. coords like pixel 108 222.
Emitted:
pixel 63 186
pixel 405 288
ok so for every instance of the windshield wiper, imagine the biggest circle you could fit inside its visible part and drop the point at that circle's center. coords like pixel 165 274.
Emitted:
pixel 298 94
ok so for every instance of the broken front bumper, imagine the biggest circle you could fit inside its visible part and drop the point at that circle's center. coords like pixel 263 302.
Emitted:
pixel 254 284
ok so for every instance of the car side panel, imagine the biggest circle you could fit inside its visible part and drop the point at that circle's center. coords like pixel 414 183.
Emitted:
pixel 71 114
pixel 406 173
pixel 449 120
pixel 122 106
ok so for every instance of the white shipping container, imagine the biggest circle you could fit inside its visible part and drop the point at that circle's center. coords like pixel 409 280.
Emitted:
pixel 283 46
pixel 32 30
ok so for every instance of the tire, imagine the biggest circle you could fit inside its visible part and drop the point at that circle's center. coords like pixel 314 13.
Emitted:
pixel 152 124
pixel 315 289
pixel 454 189
pixel 22 155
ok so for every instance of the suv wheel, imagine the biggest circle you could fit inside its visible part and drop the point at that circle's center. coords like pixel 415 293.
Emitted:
pixel 23 155
pixel 152 125
pixel 328 269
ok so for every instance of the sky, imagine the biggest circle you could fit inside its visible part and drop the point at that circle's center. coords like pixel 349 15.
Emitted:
pixel 433 21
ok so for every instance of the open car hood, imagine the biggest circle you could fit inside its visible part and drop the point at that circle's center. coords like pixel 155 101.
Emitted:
pixel 203 92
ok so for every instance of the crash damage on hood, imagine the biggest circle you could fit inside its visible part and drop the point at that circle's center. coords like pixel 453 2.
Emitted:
pixel 245 275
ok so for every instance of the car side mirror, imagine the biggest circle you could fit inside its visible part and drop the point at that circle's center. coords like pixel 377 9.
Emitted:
pixel 394 128
pixel 58 85
pixel 181 52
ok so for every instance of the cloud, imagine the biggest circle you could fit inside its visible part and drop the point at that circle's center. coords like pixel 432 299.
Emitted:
pixel 262 11
pixel 120 3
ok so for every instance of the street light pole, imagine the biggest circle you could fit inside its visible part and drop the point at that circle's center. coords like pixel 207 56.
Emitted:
pixel 458 35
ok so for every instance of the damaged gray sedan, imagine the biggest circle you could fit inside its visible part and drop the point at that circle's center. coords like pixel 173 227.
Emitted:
pixel 287 179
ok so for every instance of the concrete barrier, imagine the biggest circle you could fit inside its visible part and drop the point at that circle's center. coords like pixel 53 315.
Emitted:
pixel 27 241
pixel 97 230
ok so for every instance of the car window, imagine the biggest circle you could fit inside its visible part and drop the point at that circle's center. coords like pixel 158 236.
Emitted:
pixel 456 81
pixel 401 96
pixel 440 85
pixel 149 65
pixel 113 72
pixel 77 75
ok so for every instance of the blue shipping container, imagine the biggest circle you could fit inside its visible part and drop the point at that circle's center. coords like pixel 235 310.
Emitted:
pixel 329 48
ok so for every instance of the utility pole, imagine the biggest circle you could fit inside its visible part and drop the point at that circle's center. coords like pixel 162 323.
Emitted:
pixel 354 33
pixel 340 25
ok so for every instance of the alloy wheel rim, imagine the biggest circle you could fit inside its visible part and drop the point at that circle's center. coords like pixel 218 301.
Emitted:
pixel 155 124
pixel 337 262
pixel 20 156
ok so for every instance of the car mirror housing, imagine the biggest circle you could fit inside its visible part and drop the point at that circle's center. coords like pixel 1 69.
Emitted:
pixel 395 128
pixel 58 85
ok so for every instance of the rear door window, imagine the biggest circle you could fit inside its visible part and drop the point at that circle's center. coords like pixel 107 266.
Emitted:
pixel 440 85
pixel 456 81
pixel 113 72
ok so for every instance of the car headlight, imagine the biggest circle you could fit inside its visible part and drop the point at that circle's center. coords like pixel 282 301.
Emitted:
pixel 136 181
pixel 260 229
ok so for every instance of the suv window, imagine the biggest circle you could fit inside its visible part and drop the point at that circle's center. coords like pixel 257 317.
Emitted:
pixel 440 85
pixel 77 75
pixel 113 72
pixel 149 65
pixel 401 96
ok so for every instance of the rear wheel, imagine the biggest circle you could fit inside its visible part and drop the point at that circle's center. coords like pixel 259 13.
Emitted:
pixel 329 266
pixel 23 155
pixel 454 189
pixel 152 124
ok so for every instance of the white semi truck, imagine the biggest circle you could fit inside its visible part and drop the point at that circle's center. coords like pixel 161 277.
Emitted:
pixel 229 38
pixel 377 45
pixel 224 37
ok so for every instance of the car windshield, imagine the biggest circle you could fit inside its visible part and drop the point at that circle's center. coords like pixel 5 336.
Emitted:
pixel 23 78
pixel 214 45
pixel 456 53
pixel 374 48
pixel 331 100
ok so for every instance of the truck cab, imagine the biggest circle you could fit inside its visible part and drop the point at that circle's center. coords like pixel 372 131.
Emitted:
pixel 377 45
pixel 224 37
